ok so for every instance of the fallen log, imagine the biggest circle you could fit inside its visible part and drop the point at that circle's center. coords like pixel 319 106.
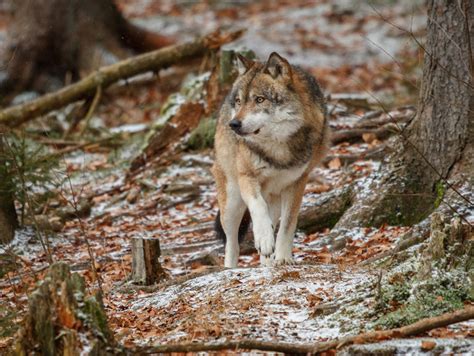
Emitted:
pixel 419 327
pixel 326 211
pixel 106 76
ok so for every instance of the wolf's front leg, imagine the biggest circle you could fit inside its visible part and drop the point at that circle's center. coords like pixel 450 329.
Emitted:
pixel 261 220
pixel 232 212
pixel 291 198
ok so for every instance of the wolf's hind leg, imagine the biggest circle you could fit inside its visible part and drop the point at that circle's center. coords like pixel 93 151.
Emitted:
pixel 231 216
pixel 291 198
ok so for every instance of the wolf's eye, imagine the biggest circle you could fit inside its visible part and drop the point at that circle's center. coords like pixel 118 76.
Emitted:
pixel 259 99
pixel 237 101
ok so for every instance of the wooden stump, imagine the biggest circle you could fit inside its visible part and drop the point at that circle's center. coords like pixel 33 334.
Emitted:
pixel 146 268
pixel 63 319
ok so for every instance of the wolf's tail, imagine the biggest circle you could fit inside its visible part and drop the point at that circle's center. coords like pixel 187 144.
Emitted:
pixel 244 225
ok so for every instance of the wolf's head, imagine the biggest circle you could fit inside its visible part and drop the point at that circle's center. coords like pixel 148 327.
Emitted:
pixel 264 103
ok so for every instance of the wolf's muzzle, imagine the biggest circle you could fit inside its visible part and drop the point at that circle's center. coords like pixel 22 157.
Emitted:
pixel 235 125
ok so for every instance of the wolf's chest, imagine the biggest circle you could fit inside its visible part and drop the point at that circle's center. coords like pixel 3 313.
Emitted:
pixel 275 180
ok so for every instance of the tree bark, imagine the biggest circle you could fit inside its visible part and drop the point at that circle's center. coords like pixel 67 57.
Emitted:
pixel 8 217
pixel 434 154
pixel 50 39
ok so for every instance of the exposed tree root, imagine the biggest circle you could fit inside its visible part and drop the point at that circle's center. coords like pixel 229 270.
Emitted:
pixel 419 327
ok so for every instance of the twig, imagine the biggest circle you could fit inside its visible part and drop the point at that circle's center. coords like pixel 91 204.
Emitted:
pixel 79 146
pixel 419 327
pixel 92 108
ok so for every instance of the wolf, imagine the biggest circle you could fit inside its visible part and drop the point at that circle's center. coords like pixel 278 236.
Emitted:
pixel 271 132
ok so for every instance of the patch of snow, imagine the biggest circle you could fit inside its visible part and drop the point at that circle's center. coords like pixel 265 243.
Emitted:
pixel 263 302
pixel 130 128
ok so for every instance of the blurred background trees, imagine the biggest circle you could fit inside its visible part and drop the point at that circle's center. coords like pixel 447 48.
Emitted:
pixel 54 42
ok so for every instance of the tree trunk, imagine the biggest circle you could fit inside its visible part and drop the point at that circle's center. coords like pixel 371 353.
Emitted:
pixel 437 146
pixel 8 218
pixel 50 40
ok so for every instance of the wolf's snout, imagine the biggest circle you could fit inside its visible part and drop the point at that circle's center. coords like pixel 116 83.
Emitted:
pixel 235 125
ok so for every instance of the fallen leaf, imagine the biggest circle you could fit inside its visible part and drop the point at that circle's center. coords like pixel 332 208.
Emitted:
pixel 334 163
pixel 428 345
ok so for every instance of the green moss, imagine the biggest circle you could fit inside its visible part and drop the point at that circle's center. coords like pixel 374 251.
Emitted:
pixel 203 135
pixel 8 327
pixel 7 264
pixel 440 190
pixel 96 316
pixel 423 307
pixel 414 302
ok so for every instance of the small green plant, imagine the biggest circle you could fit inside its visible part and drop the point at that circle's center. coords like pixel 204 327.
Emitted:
pixel 27 171
pixel 203 135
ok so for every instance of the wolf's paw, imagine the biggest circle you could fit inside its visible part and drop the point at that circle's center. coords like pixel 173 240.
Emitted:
pixel 266 261
pixel 285 261
pixel 264 240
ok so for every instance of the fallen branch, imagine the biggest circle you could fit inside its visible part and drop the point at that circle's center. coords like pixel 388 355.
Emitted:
pixel 419 327
pixel 105 76
pixel 376 153
pixel 378 125
pixel 356 134
pixel 79 146
pixel 379 118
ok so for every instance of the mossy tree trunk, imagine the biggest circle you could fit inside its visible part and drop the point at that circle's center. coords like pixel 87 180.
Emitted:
pixel 50 40
pixel 8 217
pixel 437 146
pixel 63 319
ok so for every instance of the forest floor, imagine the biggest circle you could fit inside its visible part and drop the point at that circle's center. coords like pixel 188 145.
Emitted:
pixel 328 293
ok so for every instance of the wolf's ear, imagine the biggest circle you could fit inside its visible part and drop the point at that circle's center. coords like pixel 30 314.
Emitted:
pixel 243 64
pixel 277 67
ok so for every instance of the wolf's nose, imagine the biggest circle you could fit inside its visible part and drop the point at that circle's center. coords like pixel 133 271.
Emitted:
pixel 235 124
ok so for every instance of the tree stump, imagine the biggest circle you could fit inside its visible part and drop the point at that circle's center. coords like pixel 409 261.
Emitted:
pixel 146 268
pixel 63 320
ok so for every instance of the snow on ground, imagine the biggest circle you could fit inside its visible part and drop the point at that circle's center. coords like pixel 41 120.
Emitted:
pixel 176 201
pixel 263 303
